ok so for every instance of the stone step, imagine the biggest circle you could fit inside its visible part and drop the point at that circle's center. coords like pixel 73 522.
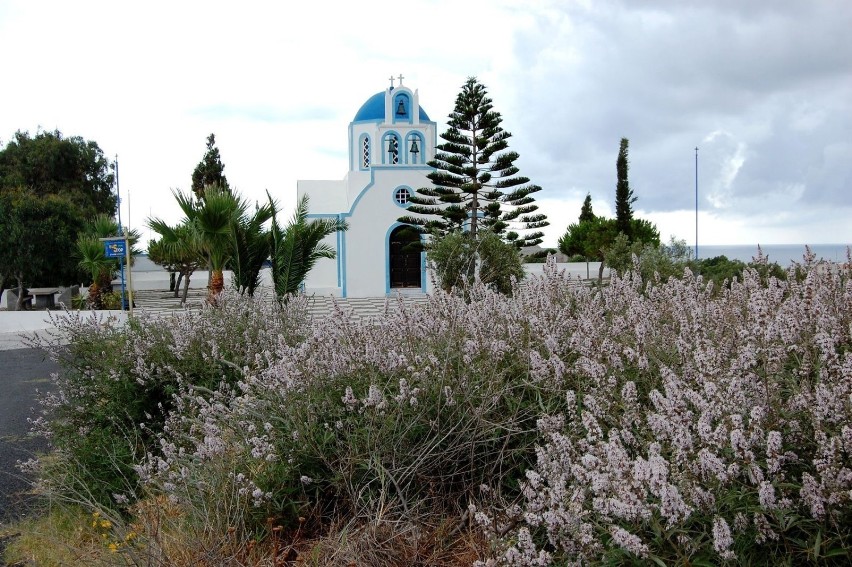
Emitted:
pixel 163 302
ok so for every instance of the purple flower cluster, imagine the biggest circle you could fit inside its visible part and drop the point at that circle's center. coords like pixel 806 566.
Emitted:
pixel 695 409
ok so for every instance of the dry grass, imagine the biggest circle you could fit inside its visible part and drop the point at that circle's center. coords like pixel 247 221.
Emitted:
pixel 58 537
pixel 386 542
pixel 162 538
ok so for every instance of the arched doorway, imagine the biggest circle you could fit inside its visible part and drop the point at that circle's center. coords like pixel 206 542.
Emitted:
pixel 404 257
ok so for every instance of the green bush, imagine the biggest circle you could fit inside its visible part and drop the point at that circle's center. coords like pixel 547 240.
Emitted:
pixel 456 256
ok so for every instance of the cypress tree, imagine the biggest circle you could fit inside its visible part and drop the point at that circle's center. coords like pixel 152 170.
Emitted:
pixel 624 198
pixel 475 180
pixel 586 213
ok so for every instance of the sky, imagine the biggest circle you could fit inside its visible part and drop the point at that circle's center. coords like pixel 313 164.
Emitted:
pixel 762 88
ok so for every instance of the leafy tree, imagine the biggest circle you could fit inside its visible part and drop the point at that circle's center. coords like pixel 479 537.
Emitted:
pixel 586 213
pixel 454 258
pixel 665 260
pixel 179 249
pixel 297 247
pixel 475 182
pixel 50 164
pixel 36 240
pixel 48 185
pixel 619 254
pixel 591 239
pixel 624 198
pixel 210 170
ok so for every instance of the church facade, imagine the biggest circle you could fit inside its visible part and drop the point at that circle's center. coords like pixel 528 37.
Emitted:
pixel 391 139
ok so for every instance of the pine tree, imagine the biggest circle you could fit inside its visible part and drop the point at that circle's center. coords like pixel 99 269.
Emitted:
pixel 475 182
pixel 586 213
pixel 210 170
pixel 624 198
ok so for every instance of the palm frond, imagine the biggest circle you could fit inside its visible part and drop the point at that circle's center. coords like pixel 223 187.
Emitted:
pixel 297 247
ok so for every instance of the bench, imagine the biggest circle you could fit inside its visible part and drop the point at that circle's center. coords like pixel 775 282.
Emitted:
pixel 12 300
pixel 45 297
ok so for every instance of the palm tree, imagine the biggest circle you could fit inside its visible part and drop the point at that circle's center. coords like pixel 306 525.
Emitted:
pixel 92 258
pixel 296 248
pixel 214 217
pixel 179 249
pixel 250 247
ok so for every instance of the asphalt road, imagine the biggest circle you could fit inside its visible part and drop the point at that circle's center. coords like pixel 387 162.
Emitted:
pixel 22 372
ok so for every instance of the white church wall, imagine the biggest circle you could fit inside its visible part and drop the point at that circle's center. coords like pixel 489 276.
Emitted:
pixel 324 197
pixel 323 279
pixel 373 216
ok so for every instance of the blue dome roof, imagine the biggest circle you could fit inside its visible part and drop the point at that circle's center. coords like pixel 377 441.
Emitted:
pixel 374 109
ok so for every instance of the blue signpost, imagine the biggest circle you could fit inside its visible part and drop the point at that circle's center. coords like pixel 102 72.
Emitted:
pixel 118 248
pixel 114 248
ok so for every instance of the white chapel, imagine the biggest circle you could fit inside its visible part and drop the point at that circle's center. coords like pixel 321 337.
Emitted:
pixel 390 140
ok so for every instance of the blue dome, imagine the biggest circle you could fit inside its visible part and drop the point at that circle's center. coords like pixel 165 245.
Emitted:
pixel 374 109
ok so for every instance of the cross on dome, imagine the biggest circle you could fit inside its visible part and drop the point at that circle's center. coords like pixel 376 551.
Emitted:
pixel 391 80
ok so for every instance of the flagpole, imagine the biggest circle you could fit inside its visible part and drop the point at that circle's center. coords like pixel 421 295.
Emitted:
pixel 696 202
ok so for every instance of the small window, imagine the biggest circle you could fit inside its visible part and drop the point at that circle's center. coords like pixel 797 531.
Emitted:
pixel 401 196
pixel 365 153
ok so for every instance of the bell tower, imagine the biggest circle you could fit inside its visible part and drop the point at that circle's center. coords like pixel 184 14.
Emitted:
pixel 390 129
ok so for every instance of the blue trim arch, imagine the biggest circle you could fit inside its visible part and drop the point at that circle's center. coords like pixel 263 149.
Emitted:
pixel 419 157
pixel 387 151
pixel 392 228
pixel 401 107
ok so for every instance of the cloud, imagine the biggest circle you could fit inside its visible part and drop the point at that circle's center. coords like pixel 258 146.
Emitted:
pixel 776 78
pixel 266 114
pixel 278 84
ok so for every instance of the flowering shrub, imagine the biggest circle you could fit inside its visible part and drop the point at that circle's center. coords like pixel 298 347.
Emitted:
pixel 701 428
pixel 642 421
pixel 119 383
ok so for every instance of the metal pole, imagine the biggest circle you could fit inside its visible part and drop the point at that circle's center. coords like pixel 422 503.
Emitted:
pixel 120 260
pixel 696 202
pixel 129 272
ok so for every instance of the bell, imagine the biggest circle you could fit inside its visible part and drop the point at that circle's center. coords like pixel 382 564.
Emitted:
pixel 400 109
pixel 414 149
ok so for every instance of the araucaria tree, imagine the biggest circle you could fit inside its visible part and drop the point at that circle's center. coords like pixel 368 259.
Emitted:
pixel 210 170
pixel 475 182
pixel 624 198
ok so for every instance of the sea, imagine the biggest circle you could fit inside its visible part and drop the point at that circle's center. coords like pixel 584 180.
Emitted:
pixel 783 254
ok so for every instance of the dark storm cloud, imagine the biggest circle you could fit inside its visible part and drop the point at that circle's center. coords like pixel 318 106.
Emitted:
pixel 763 88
